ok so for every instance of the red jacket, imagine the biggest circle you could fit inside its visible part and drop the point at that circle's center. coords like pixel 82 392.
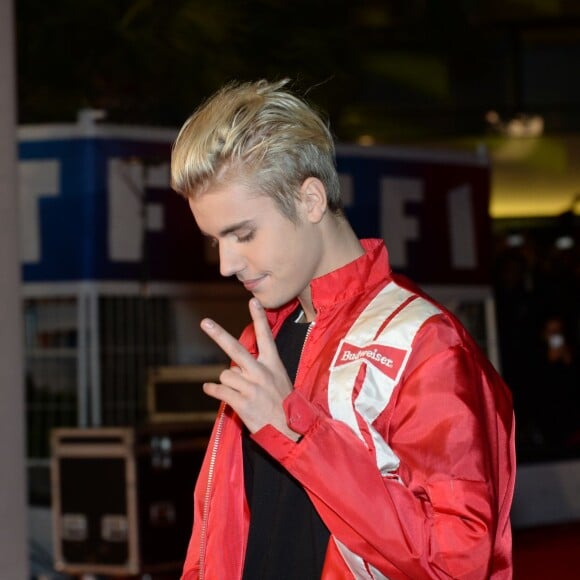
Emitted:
pixel 408 440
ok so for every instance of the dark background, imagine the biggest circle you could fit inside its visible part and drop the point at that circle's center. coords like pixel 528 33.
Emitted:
pixel 397 70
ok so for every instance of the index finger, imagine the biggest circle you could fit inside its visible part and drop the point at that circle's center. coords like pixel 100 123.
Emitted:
pixel 230 345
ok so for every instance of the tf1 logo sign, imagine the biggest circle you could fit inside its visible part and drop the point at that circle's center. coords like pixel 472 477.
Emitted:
pixel 433 215
pixel 120 212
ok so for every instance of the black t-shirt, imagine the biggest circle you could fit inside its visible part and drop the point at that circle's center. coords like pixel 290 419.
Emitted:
pixel 287 539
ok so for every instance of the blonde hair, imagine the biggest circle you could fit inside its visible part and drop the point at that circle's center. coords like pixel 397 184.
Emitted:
pixel 260 134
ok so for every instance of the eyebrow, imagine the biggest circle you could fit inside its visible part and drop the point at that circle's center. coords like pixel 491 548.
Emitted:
pixel 233 228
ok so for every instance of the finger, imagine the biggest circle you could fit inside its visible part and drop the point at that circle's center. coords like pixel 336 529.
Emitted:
pixel 223 393
pixel 264 338
pixel 234 379
pixel 228 344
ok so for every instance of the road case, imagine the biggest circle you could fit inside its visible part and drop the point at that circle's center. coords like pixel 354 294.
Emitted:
pixel 175 393
pixel 122 498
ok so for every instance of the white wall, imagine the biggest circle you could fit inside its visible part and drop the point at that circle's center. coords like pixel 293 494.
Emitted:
pixel 546 493
pixel 13 514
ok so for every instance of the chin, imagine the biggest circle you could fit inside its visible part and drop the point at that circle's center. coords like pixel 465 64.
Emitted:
pixel 271 302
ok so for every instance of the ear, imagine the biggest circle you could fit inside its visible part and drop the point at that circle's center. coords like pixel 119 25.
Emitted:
pixel 313 199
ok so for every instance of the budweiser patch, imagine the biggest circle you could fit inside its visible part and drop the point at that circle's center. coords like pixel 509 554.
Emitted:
pixel 386 358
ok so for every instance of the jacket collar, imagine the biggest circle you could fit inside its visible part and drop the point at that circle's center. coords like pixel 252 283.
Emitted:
pixel 345 282
pixel 352 278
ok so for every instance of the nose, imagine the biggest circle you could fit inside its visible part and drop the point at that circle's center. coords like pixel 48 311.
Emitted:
pixel 231 262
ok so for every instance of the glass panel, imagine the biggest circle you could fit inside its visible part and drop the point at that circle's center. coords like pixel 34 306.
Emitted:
pixel 51 367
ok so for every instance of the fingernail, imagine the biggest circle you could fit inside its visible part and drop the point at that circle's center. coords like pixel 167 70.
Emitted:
pixel 207 323
pixel 256 303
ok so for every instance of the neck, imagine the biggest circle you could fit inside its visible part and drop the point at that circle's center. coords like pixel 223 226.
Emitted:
pixel 307 307
pixel 340 246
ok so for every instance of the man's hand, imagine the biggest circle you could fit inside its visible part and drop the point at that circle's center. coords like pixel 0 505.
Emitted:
pixel 255 388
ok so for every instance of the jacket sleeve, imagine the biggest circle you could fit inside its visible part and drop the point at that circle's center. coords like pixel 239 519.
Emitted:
pixel 441 513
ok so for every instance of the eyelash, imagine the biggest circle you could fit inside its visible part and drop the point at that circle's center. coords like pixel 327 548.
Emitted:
pixel 247 237
pixel 240 239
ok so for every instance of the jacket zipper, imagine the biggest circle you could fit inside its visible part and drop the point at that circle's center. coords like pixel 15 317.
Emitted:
pixel 205 517
pixel 308 331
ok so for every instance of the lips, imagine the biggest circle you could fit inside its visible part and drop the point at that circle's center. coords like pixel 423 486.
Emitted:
pixel 251 285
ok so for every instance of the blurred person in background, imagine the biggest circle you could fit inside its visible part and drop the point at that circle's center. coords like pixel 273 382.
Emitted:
pixel 362 434
pixel 517 318
pixel 556 387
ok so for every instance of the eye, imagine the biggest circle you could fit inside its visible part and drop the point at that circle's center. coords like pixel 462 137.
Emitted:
pixel 246 237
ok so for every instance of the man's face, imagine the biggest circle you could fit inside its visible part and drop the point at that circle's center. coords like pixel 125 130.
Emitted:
pixel 273 257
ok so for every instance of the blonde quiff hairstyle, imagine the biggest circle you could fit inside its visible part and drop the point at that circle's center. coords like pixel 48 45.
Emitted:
pixel 258 134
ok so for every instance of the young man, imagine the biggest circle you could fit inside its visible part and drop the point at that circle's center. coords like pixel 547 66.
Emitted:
pixel 363 434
